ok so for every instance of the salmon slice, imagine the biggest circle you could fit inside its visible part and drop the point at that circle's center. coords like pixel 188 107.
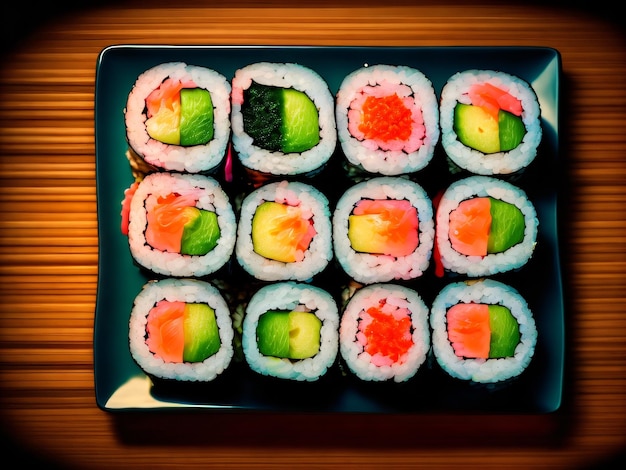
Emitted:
pixel 469 226
pixel 167 217
pixel 166 96
pixel 166 335
pixel 468 330
pixel 494 99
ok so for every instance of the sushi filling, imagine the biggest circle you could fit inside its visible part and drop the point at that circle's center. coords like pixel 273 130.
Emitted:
pixel 280 119
pixel 176 225
pixel 485 225
pixel 387 117
pixel 385 333
pixel 180 113
pixel 282 232
pixel 384 226
pixel 179 332
pixel 482 331
pixel 489 119
pixel 293 335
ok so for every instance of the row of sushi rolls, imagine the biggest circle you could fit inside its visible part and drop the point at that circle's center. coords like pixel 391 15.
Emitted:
pixel 281 124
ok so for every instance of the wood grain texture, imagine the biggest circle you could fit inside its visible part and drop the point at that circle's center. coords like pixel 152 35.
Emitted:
pixel 49 245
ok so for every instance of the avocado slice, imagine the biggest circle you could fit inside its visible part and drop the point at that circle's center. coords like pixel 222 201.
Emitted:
pixel 201 233
pixel 512 130
pixel 202 338
pixel 476 128
pixel 267 220
pixel 272 333
pixel 363 233
pixel 505 335
pixel 304 335
pixel 507 226
pixel 196 116
pixel 289 334
pixel 300 122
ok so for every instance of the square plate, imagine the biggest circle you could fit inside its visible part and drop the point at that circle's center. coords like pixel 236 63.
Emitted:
pixel 121 385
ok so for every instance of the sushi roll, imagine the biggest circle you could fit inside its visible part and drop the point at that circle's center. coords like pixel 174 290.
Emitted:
pixel 284 232
pixel 485 226
pixel 179 225
pixel 384 333
pixel 490 122
pixel 282 119
pixel 387 119
pixel 180 329
pixel 482 331
pixel 290 331
pixel 383 230
pixel 177 117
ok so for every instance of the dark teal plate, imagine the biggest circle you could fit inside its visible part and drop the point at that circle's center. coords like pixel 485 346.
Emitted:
pixel 119 382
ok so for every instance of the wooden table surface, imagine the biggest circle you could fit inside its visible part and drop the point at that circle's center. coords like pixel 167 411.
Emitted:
pixel 49 244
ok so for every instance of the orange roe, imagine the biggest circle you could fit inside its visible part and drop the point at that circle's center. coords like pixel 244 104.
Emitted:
pixel 386 119
pixel 387 335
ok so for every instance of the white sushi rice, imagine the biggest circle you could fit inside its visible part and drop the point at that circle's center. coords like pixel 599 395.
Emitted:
pixel 320 251
pixel 191 159
pixel 398 157
pixel 486 291
pixel 284 75
pixel 213 199
pixel 352 350
pixel 188 291
pixel 368 268
pixel 484 186
pixel 291 296
pixel 500 163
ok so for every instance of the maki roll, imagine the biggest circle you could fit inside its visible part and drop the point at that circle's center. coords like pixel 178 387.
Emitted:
pixel 180 329
pixel 383 230
pixel 179 225
pixel 485 226
pixel 178 117
pixel 283 119
pixel 490 122
pixel 290 331
pixel 384 333
pixel 284 232
pixel 483 331
pixel 387 119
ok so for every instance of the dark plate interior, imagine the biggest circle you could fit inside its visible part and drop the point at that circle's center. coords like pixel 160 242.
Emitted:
pixel 121 385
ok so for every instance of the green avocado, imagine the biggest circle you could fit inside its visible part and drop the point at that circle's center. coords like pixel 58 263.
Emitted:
pixel 196 116
pixel 201 233
pixel 300 122
pixel 507 226
pixel 512 130
pixel 272 332
pixel 505 335
pixel 202 338
pixel 476 128
pixel 291 335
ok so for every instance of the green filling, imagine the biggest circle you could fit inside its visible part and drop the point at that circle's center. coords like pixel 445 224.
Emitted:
pixel 507 226
pixel 202 338
pixel 196 116
pixel 505 335
pixel 511 130
pixel 200 234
